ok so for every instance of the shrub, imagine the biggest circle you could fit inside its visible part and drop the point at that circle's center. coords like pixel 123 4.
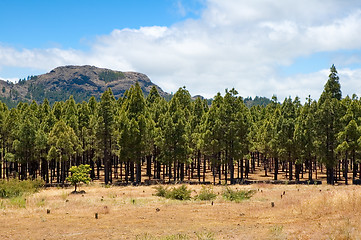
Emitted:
pixel 206 194
pixel 161 191
pixel 180 193
pixel 18 201
pixel 15 188
pixel 237 195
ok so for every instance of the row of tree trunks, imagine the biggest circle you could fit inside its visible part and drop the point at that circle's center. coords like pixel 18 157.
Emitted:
pixel 57 172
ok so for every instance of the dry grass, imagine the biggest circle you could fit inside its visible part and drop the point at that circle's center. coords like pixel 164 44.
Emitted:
pixel 303 212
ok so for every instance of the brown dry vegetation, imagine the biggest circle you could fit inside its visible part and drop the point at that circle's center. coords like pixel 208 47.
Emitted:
pixel 303 212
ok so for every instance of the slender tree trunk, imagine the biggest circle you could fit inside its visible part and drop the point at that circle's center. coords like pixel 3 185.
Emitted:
pixel 182 172
pixel 276 168
pixel 346 169
pixel 247 169
pixel 139 173
pixel 265 160
pixel 241 165
pixel 131 171
pixel 204 169
pixel 98 168
pixel 310 168
pixel 58 173
pixel 199 165
pixel 290 166
pixel 219 174
pixel 126 172
pixel 149 165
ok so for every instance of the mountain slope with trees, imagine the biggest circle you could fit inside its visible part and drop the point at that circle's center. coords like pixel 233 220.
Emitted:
pixel 80 81
pixel 132 137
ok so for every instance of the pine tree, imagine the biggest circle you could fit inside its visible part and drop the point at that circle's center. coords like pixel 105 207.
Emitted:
pixel 64 145
pixel 305 135
pixel 104 132
pixel 329 124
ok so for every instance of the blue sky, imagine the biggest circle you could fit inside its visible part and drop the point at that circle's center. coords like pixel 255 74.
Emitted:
pixel 259 47
pixel 71 24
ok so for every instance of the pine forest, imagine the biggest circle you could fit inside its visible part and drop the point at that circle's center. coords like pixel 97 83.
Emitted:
pixel 137 139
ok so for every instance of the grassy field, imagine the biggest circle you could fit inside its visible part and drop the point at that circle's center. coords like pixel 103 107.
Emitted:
pixel 299 212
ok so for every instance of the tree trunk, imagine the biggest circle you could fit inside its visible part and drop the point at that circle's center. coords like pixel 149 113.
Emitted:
pixel 247 169
pixel 276 169
pixel 139 173
pixel 131 168
pixel 204 169
pixel 290 167
pixel 182 172
pixel 241 165
pixel 199 165
pixel 346 169
pixel 149 165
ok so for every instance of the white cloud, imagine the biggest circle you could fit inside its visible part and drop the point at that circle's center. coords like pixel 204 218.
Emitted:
pixel 235 43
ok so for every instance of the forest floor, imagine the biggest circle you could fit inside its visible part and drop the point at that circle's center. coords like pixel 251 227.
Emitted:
pixel 303 212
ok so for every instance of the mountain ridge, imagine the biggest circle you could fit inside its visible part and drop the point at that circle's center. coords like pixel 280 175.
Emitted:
pixel 80 81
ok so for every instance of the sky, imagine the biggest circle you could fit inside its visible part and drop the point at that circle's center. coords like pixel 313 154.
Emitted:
pixel 259 47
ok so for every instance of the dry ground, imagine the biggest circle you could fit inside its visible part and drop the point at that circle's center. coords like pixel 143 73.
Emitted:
pixel 303 212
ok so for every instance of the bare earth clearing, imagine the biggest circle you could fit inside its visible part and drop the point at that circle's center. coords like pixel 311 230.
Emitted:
pixel 303 212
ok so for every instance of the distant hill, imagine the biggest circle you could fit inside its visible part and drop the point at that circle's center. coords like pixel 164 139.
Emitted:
pixel 262 101
pixel 80 81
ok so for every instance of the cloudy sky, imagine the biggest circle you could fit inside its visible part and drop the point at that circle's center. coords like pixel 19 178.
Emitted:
pixel 260 47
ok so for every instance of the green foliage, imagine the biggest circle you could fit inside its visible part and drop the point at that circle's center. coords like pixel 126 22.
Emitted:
pixel 206 194
pixel 257 101
pixel 109 76
pixel 237 195
pixel 177 193
pixel 63 141
pixel 18 201
pixel 79 174
pixel 9 102
pixel 15 188
pixel 180 193
pixel 161 191
pixel 38 92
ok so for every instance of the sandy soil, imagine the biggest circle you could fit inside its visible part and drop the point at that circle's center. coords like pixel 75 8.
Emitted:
pixel 303 212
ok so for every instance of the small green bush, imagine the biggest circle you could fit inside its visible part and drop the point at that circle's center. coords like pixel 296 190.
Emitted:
pixel 206 194
pixel 16 188
pixel 237 195
pixel 161 191
pixel 18 201
pixel 180 193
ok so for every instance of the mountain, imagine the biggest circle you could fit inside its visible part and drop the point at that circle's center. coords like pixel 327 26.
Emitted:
pixel 262 101
pixel 80 81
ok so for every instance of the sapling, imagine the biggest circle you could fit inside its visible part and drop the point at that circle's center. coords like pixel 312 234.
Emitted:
pixel 79 174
